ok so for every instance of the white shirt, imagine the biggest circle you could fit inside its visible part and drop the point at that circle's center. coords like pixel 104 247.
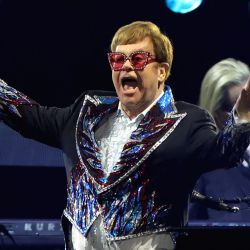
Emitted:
pixel 115 133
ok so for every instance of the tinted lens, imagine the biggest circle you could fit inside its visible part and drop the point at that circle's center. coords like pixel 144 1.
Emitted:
pixel 139 60
pixel 116 60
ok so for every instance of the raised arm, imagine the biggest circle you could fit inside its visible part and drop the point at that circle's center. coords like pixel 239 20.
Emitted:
pixel 242 106
pixel 212 149
pixel 45 124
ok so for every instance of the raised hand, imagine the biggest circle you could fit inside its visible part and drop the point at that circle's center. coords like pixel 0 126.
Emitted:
pixel 242 105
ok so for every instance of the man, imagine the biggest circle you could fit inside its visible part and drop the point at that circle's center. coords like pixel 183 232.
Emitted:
pixel 220 88
pixel 131 161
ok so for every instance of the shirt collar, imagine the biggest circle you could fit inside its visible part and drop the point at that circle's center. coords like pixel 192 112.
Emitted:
pixel 120 111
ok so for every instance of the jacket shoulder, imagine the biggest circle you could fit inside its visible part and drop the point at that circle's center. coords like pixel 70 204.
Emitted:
pixel 194 112
pixel 99 93
pixel 189 108
pixel 93 94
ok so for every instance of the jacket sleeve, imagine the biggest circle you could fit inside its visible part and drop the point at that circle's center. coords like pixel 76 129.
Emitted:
pixel 32 120
pixel 212 149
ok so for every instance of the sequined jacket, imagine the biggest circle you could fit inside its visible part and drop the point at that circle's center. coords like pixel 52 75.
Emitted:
pixel 149 187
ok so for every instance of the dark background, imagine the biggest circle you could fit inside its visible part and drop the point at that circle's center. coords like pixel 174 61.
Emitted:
pixel 53 50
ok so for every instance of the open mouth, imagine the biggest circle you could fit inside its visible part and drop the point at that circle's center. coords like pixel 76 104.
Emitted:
pixel 129 82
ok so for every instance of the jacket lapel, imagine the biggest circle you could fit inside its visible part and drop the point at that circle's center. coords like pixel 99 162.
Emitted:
pixel 93 111
pixel 154 128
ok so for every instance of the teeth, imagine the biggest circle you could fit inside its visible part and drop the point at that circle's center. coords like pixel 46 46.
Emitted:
pixel 127 87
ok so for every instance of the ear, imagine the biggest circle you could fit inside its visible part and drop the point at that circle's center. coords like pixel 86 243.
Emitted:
pixel 162 71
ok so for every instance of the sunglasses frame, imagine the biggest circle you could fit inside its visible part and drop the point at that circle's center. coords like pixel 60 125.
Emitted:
pixel 149 59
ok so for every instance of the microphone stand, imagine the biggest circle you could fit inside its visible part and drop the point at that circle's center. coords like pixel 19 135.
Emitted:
pixel 211 202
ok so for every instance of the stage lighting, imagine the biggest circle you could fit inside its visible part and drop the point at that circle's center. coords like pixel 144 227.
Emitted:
pixel 183 6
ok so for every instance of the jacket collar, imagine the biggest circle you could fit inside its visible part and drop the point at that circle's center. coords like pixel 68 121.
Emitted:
pixel 153 129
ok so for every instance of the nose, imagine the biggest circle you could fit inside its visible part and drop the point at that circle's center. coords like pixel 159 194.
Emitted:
pixel 127 66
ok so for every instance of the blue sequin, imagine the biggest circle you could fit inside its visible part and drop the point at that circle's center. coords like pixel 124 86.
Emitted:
pixel 10 99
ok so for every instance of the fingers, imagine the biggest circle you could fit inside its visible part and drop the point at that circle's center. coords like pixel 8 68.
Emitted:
pixel 245 95
pixel 243 99
pixel 242 105
pixel 247 85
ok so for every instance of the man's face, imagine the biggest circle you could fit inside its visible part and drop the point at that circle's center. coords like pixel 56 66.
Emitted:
pixel 137 89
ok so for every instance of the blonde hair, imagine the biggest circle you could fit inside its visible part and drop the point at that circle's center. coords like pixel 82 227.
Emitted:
pixel 138 31
pixel 218 78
